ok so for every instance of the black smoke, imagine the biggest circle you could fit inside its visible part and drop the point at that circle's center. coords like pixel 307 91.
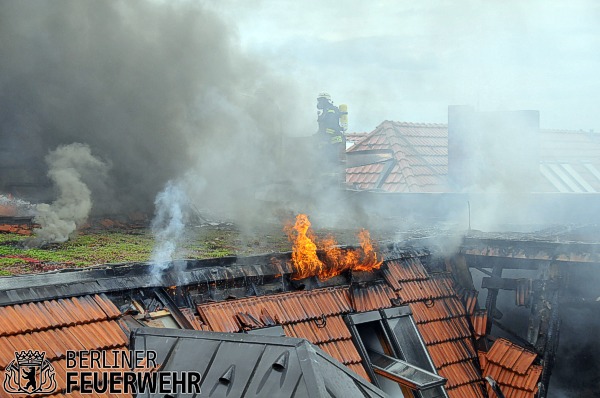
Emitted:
pixel 157 89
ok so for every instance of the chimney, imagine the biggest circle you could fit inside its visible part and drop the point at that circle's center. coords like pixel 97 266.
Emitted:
pixel 492 150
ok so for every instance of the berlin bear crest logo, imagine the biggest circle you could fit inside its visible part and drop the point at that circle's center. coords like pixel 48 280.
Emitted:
pixel 29 373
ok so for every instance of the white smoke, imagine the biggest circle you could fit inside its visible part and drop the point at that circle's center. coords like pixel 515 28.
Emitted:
pixel 168 225
pixel 68 167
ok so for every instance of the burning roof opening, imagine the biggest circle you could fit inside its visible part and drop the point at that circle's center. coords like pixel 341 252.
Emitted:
pixel 335 260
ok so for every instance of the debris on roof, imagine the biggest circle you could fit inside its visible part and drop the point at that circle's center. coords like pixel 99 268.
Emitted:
pixel 513 368
pixel 97 307
pixel 17 225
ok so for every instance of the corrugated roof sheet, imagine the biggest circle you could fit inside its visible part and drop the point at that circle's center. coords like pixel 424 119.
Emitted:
pixel 513 369
pixel 55 326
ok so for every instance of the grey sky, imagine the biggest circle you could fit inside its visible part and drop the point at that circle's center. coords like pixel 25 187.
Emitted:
pixel 407 61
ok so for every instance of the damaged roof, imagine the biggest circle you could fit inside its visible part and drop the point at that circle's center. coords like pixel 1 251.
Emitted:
pixel 55 312
pixel 316 315
pixel 512 367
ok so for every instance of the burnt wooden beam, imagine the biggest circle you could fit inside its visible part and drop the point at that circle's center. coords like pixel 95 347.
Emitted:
pixel 482 262
pixel 490 302
pixel 500 283
pixel 522 251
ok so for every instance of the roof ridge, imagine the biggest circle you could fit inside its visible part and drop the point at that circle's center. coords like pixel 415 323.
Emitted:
pixel 416 124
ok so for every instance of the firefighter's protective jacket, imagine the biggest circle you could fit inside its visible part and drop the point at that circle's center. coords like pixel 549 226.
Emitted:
pixel 329 124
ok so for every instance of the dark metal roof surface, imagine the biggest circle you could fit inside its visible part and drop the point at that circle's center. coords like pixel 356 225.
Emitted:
pixel 269 367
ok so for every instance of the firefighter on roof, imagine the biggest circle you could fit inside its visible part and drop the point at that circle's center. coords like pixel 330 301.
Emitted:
pixel 331 134
pixel 328 117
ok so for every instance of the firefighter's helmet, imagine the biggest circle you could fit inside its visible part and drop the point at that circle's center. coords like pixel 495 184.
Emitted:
pixel 324 95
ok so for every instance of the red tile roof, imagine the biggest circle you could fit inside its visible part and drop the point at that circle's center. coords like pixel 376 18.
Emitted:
pixel 439 314
pixel 372 297
pixel 513 369
pixel 355 138
pixel 479 321
pixel 420 158
pixel 55 326
pixel 314 315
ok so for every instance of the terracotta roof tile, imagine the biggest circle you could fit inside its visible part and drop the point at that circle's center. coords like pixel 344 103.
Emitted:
pixel 335 329
pixel 438 312
pixel 7 353
pixel 441 320
pixel 413 291
pixel 403 271
pixel 55 326
pixel 446 330
pixel 343 350
pixel 106 305
pixel 511 356
pixel 508 378
pixel 467 391
pixel 469 299
pixel 372 297
pixel 479 322
pixel 513 369
pixel 447 353
pixel 313 315
pixel 285 307
pixel 437 309
pixel 459 374
pixel 482 359
pixel 423 145
pixel 359 370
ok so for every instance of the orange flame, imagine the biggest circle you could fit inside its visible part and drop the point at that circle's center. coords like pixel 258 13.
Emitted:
pixel 335 260
pixel 369 261
pixel 304 250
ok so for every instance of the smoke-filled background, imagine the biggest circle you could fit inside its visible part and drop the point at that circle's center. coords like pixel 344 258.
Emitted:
pixel 208 93
pixel 211 90
pixel 402 60
pixel 154 88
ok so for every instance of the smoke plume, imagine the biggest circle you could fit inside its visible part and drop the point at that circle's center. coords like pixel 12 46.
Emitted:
pixel 155 88
pixel 168 225
pixel 68 167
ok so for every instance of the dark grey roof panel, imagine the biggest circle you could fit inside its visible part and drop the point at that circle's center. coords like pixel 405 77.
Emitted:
pixel 243 365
